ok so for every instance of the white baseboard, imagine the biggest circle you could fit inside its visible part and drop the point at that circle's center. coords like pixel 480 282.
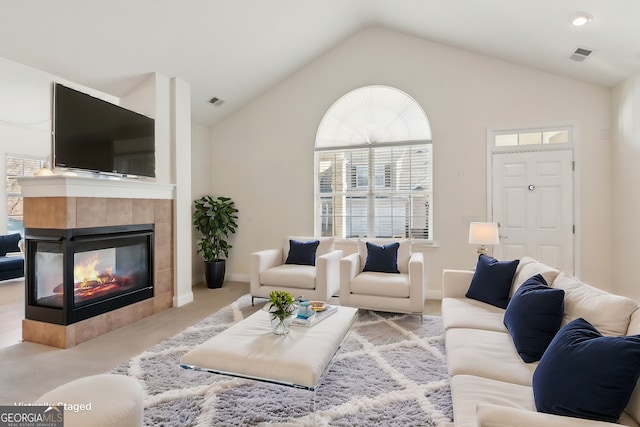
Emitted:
pixel 182 299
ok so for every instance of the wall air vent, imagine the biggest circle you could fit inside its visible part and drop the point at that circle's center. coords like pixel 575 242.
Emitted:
pixel 216 101
pixel 580 54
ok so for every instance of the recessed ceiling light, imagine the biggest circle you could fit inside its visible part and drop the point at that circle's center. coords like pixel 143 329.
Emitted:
pixel 581 19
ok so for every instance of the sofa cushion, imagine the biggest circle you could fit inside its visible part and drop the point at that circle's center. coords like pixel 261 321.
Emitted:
pixel 533 317
pixel 468 391
pixel 381 284
pixel 486 354
pixel 325 246
pixel 586 375
pixel 528 267
pixel 491 415
pixel 608 313
pixel 404 252
pixel 290 276
pixel 471 314
pixel 12 262
pixel 9 243
pixel 382 258
pixel 302 253
pixel 492 280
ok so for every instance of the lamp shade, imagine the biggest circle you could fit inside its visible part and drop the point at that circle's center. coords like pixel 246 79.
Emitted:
pixel 483 233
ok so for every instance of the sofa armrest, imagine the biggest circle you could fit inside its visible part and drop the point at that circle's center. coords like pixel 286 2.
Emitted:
pixel 349 268
pixel 328 274
pixel 261 261
pixel 490 415
pixel 455 283
pixel 417 282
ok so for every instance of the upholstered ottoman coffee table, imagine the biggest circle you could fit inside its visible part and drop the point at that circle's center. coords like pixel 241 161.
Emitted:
pixel 249 349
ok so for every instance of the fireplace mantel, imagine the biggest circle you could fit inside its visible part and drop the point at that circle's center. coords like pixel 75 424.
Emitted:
pixel 83 186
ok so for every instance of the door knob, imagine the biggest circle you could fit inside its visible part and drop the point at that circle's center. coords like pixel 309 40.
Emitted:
pixel 531 187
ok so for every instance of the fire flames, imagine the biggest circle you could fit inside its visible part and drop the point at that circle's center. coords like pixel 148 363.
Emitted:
pixel 90 281
pixel 85 275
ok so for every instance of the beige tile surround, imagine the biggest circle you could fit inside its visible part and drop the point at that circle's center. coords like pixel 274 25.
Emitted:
pixel 80 212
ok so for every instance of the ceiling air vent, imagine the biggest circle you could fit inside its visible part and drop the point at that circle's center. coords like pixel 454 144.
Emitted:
pixel 580 54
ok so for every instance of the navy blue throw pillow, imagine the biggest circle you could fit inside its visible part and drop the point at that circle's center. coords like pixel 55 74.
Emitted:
pixel 9 243
pixel 586 375
pixel 302 253
pixel 491 282
pixel 382 259
pixel 533 317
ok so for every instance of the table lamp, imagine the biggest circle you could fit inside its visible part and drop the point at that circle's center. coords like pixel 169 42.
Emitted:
pixel 483 233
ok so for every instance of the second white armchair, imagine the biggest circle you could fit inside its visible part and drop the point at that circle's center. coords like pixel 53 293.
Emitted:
pixel 372 280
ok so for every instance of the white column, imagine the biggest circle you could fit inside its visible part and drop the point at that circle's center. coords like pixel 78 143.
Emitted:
pixel 181 149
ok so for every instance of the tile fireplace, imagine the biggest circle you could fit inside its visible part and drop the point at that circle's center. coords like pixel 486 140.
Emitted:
pixel 76 274
pixel 66 212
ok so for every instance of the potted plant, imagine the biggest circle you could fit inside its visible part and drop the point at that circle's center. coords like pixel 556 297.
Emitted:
pixel 281 308
pixel 215 219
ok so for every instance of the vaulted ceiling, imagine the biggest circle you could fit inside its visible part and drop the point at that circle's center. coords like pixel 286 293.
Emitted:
pixel 236 49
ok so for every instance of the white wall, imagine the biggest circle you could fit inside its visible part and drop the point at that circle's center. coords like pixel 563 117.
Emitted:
pixel 626 186
pixel 262 156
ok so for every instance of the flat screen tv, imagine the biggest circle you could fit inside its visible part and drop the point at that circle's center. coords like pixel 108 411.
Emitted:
pixel 98 136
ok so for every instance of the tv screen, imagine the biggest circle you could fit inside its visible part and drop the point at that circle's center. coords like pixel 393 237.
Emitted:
pixel 95 135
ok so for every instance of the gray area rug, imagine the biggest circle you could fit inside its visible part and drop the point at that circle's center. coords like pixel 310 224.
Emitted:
pixel 391 370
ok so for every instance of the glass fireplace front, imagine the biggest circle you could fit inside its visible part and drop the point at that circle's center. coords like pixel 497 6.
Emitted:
pixel 76 274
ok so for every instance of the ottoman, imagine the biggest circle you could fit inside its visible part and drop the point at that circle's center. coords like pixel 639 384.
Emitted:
pixel 104 400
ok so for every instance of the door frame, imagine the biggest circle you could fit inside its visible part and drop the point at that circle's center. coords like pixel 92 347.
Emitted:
pixel 573 145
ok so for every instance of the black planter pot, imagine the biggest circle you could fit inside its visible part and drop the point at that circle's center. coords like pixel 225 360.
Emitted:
pixel 214 273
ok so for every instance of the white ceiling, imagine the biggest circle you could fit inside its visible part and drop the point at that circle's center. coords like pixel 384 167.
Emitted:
pixel 236 49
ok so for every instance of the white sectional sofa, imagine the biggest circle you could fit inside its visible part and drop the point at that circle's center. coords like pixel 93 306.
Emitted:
pixel 490 383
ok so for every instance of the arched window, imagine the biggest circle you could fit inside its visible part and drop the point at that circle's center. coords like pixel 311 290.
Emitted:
pixel 373 162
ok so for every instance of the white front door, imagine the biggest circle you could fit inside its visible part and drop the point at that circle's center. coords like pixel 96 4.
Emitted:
pixel 533 205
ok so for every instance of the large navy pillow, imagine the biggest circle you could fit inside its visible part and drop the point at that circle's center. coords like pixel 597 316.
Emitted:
pixel 302 253
pixel 9 243
pixel 533 317
pixel 586 375
pixel 491 282
pixel 382 259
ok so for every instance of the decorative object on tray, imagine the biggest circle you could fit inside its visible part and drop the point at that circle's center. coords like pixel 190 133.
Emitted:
pixel 281 308
pixel 304 310
pixel 318 317
pixel 318 305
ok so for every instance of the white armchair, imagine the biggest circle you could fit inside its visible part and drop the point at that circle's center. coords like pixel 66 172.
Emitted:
pixel 319 282
pixel 403 292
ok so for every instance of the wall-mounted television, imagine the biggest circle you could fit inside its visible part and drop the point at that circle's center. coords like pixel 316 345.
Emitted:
pixel 94 135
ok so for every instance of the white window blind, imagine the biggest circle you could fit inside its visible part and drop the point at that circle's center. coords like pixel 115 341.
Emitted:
pixel 375 189
pixel 18 166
